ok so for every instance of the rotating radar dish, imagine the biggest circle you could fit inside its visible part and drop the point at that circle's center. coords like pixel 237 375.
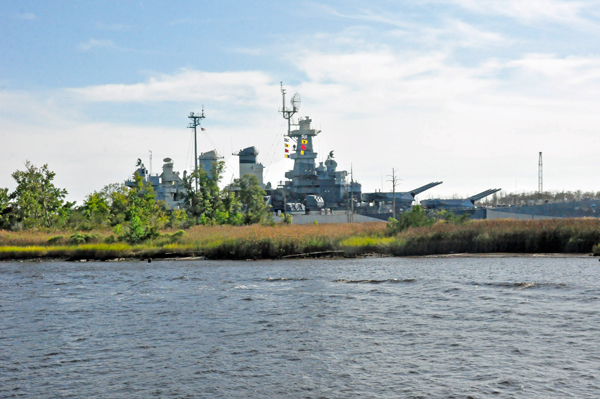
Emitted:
pixel 295 101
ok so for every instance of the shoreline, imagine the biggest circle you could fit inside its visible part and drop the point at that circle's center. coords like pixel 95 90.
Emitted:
pixel 494 238
pixel 304 256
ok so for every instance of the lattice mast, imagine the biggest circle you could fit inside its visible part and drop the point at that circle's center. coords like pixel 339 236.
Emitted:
pixel 196 119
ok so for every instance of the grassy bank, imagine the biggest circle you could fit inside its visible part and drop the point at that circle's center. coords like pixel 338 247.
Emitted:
pixel 271 242
pixel 218 242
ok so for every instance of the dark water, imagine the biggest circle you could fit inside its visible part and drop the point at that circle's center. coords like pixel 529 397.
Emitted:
pixel 382 328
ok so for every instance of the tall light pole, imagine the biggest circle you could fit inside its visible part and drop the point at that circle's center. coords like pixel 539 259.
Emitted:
pixel 196 120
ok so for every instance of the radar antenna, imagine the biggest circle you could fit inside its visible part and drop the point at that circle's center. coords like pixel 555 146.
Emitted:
pixel 286 112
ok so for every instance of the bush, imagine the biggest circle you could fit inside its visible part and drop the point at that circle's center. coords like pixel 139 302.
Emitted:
pixel 286 218
pixel 416 217
pixel 83 238
pixel 56 240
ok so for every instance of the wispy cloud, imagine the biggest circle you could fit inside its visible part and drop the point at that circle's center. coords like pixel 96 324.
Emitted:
pixel 111 27
pixel 94 44
pixel 186 85
pixel 27 16
pixel 569 70
pixel 557 11
pixel 446 31
pixel 248 51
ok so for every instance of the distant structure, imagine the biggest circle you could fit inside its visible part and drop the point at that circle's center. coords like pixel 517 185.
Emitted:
pixel 168 186
pixel 540 176
pixel 248 164
pixel 207 159
pixel 466 203
pixel 403 200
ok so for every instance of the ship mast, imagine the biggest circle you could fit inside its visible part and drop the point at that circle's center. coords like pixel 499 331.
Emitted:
pixel 196 120
pixel 286 112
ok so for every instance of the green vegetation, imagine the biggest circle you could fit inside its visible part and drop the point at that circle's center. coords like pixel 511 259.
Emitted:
pixel 128 222
pixel 267 242
pixel 523 198
pixel 132 213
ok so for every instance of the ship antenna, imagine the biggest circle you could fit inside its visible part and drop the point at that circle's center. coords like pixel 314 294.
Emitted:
pixel 286 112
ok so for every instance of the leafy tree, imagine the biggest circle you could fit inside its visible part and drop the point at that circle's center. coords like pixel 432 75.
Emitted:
pixel 96 209
pixel 230 212
pixel 5 208
pixel 252 197
pixel 37 200
pixel 451 217
pixel 142 214
pixel 416 217
pixel 204 204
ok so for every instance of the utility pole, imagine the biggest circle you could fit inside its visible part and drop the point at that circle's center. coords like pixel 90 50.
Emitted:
pixel 540 177
pixel 394 181
pixel 196 120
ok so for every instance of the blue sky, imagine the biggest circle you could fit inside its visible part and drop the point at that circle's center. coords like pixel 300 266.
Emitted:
pixel 463 91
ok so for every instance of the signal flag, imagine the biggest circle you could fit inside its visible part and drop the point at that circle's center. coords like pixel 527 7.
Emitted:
pixel 286 150
pixel 287 145
pixel 287 156
pixel 304 141
pixel 303 147
pixel 301 152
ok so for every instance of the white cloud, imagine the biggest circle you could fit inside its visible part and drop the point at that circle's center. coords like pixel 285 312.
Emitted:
pixel 94 44
pixel 570 70
pixel 187 85
pixel 558 11
pixel 419 112
pixel 111 27
pixel 27 16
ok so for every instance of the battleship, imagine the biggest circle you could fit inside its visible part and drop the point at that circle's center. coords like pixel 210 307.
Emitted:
pixel 308 189
pixel 326 194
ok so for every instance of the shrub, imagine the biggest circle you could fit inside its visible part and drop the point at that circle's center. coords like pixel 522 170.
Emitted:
pixel 416 217
pixel 56 240
pixel 83 238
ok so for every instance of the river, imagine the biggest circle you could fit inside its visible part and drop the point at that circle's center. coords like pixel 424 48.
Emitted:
pixel 522 327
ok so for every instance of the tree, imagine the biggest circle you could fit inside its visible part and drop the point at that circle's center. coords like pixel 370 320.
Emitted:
pixel 5 209
pixel 96 209
pixel 37 200
pixel 203 205
pixel 142 214
pixel 252 197
pixel 416 217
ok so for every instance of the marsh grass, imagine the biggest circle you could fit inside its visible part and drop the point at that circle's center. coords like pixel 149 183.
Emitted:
pixel 508 236
pixel 214 242
pixel 268 242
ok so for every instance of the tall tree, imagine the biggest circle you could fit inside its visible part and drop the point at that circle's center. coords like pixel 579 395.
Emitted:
pixel 4 209
pixel 38 201
pixel 144 216
pixel 205 204
pixel 252 197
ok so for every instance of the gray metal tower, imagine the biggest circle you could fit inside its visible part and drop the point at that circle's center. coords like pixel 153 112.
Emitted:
pixel 540 177
pixel 196 120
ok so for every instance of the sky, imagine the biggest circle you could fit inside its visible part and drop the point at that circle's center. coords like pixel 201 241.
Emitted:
pixel 466 92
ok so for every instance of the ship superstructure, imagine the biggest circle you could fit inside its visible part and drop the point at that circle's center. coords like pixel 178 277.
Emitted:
pixel 308 187
pixel 308 183
pixel 168 186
